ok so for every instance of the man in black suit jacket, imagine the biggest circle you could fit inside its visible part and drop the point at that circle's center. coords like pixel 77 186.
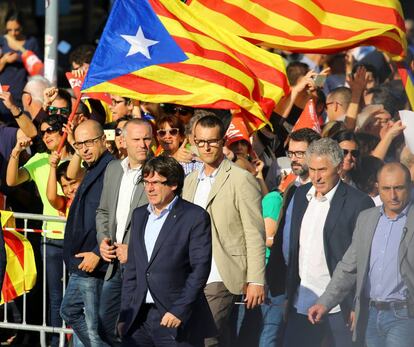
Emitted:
pixel 169 259
pixel 323 220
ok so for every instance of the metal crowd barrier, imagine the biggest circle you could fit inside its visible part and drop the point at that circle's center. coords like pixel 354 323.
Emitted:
pixel 44 328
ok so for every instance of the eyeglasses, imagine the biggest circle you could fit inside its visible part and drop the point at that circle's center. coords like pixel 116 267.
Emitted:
pixel 172 132
pixel 118 132
pixel 24 92
pixel 154 183
pixel 87 143
pixel 354 152
pixel 209 143
pixel 297 154
pixel 64 111
pixel 51 130
pixel 116 102
pixel 183 111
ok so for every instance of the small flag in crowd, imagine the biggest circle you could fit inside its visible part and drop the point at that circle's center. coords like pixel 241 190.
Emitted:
pixel 20 276
pixel 323 26
pixel 308 118
pixel 76 85
pixel 163 52
pixel 407 79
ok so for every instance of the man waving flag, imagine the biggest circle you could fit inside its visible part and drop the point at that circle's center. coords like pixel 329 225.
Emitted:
pixel 159 51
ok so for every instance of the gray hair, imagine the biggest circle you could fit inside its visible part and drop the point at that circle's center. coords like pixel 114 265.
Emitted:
pixel 136 121
pixel 325 147
pixel 36 86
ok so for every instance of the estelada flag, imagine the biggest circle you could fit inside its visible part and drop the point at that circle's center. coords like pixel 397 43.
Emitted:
pixel 308 118
pixel 20 276
pixel 159 51
pixel 407 79
pixel 76 85
pixel 314 26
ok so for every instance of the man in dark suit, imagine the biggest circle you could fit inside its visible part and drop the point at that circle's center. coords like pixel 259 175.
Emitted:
pixel 169 259
pixel 380 263
pixel 113 220
pixel 323 220
pixel 80 249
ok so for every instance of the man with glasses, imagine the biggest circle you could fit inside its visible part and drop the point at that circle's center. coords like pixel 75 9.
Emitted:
pixel 232 197
pixel 169 257
pixel 120 107
pixel 122 183
pixel 80 304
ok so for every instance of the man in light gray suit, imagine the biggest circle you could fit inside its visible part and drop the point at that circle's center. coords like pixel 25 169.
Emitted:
pixel 380 261
pixel 122 193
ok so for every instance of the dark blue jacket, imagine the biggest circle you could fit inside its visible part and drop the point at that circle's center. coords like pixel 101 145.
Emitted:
pixel 80 232
pixel 175 274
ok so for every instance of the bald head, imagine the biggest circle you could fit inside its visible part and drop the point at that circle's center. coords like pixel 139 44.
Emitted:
pixel 91 126
pixel 90 141
pixel 395 168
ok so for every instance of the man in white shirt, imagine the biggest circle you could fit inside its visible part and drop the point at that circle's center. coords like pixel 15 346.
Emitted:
pixel 121 194
pixel 232 197
pixel 323 220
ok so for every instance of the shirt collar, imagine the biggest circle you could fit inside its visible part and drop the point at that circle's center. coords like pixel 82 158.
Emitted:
pixel 202 175
pixel 125 166
pixel 401 215
pixel 167 209
pixel 328 196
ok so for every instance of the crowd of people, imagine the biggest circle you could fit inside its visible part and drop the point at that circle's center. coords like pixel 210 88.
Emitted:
pixel 184 229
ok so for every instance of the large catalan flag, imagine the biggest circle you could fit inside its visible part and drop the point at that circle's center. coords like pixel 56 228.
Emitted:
pixel 159 51
pixel 319 26
pixel 20 275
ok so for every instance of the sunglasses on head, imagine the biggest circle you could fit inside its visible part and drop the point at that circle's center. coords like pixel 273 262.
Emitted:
pixel 354 152
pixel 64 111
pixel 172 132
pixel 52 129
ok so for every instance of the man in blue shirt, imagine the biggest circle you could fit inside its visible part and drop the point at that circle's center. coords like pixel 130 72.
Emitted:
pixel 380 262
pixel 169 259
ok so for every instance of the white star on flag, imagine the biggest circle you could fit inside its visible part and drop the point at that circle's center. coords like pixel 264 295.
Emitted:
pixel 139 43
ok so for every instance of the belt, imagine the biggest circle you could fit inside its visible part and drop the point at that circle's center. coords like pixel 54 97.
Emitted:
pixel 387 305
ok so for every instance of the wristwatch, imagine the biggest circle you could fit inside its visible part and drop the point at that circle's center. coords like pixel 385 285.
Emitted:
pixel 19 114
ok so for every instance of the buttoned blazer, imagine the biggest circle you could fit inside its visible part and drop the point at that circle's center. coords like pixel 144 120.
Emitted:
pixel 354 267
pixel 175 274
pixel 106 212
pixel 237 225
pixel 345 206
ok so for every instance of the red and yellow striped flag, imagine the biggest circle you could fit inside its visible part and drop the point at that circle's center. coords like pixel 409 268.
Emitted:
pixel 318 26
pixel 21 272
pixel 222 70
pixel 407 79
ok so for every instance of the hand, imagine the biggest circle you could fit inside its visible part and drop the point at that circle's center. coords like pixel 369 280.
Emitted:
pixel 90 261
pixel 316 312
pixel 395 129
pixel 254 295
pixel 351 321
pixel 183 154
pixel 108 252
pixel 358 81
pixel 81 71
pixel 7 99
pixel 22 144
pixel 170 321
pixel 54 159
pixel 68 128
pixel 49 95
pixel 10 57
pixel 121 252
pixel 305 83
pixel 259 165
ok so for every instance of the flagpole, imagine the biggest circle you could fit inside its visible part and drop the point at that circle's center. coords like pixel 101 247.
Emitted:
pixel 71 117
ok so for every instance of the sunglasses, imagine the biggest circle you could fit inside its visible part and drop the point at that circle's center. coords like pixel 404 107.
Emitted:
pixel 64 111
pixel 172 132
pixel 51 130
pixel 118 132
pixel 354 152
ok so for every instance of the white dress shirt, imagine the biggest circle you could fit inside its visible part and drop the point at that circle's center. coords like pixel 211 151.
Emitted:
pixel 313 269
pixel 205 183
pixel 127 189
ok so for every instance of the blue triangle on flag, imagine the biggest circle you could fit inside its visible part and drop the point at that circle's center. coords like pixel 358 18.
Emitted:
pixel 133 38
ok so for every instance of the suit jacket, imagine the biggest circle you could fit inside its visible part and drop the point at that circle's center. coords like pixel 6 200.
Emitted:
pixel 106 212
pixel 354 267
pixel 237 225
pixel 80 231
pixel 345 207
pixel 175 274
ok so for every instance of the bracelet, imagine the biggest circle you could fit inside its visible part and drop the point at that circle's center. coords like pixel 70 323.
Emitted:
pixel 19 114
pixel 270 237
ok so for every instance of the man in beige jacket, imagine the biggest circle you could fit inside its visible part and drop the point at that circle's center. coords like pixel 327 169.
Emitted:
pixel 232 197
